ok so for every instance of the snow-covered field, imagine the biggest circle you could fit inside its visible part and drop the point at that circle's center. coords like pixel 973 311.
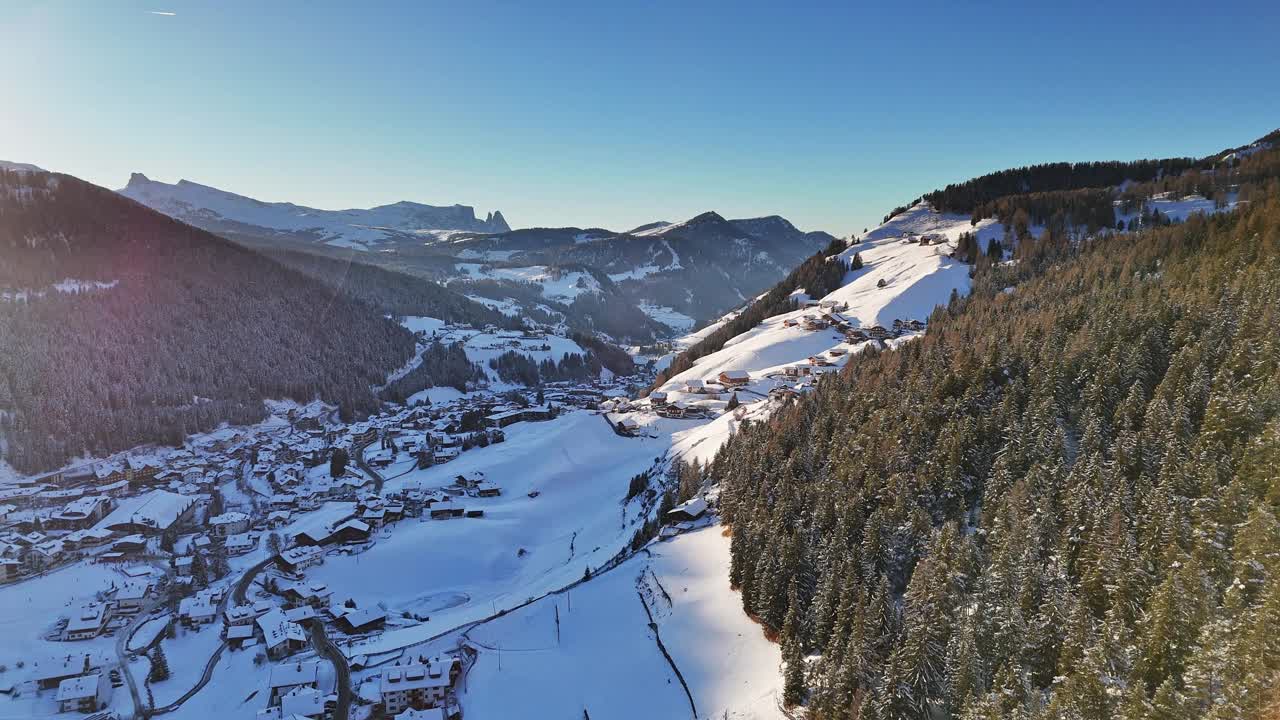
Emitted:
pixel 668 316
pixel 555 285
pixel 459 571
pixel 606 661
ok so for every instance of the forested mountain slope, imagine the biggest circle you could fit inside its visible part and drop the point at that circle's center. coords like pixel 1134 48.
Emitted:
pixel 121 326
pixel 1059 502
pixel 394 292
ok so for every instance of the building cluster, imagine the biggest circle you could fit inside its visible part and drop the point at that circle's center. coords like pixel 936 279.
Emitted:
pixel 80 681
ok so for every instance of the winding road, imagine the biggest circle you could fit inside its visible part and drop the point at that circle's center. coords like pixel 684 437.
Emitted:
pixel 342 671
pixel 238 594
pixel 358 456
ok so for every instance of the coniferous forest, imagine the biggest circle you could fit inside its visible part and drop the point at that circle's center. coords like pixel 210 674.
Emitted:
pixel 122 326
pixel 1060 502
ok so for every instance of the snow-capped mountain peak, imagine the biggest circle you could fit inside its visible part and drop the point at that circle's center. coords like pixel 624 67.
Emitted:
pixel 359 228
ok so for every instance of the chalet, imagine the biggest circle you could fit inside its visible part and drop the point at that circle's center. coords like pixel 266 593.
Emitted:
pixel 734 378
pixel 783 392
pixel 131 596
pixel 239 635
pixel 813 323
pixel 361 621
pixel 130 545
pixel 115 490
pixel 444 455
pixel 10 570
pixel 688 510
pixel 657 398
pixel 245 615
pixel 140 471
pixel 278 518
pixel 837 352
pixel 791 371
pixel 363 434
pixel 628 426
pixel 313 594
pixel 694 386
pixel 49 673
pixel 302 614
pixel 229 523
pixel 350 532
pixel 109 472
pixel 82 513
pixel 475 513
pixel 878 332
pixel 529 414
pixel 280 636
pixel 418 685
pixel 375 518
pixel 677 409
pixel 84 694
pixel 445 510
pixel 199 609
pixel 488 489
pixel 87 622
pixel 240 543
pixel 183 565
pixel 300 558
pixel 286 677
pixel 306 702
pixel 283 501
pixel 790 322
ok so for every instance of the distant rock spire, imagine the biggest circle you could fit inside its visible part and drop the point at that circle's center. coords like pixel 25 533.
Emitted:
pixel 496 222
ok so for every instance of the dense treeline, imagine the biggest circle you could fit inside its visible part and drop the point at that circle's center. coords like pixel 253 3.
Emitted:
pixel 516 367
pixel 964 197
pixel 1090 210
pixel 817 276
pixel 611 356
pixel 393 292
pixel 439 365
pixel 612 315
pixel 1060 502
pixel 186 330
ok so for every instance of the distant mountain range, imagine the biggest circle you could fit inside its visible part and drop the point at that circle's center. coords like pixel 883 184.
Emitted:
pixel 228 213
pixel 677 273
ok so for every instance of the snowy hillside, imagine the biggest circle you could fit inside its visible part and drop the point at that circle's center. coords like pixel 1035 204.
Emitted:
pixel 916 278
pixel 222 211
pixel 19 167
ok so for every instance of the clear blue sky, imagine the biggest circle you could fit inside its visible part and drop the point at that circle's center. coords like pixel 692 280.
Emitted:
pixel 613 114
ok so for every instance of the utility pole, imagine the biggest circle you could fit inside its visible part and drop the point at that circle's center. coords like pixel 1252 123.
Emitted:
pixel 557 623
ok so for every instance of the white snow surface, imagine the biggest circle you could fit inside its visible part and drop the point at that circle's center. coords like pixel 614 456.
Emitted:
pixel 555 284
pixel 670 317
pixel 917 279
pixel 354 228
pixel 606 659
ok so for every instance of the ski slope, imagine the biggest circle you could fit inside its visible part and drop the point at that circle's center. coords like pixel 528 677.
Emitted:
pixel 605 659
